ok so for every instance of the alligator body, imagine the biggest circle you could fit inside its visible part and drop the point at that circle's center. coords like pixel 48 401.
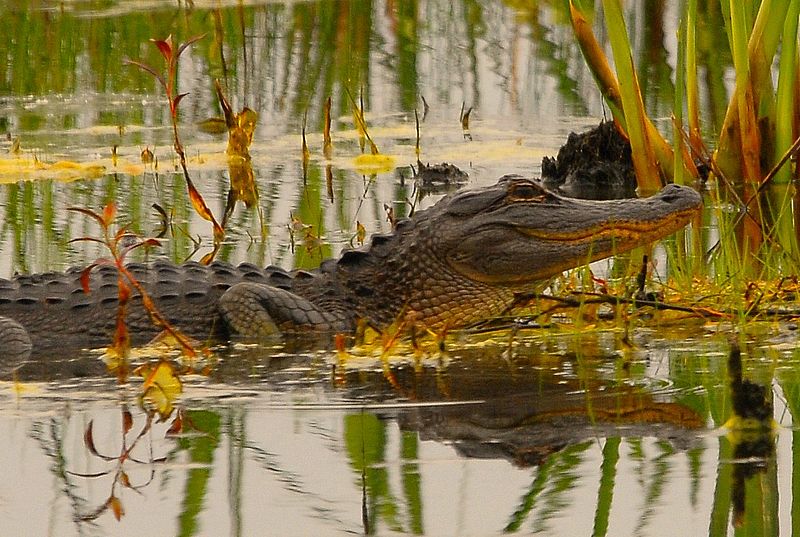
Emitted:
pixel 459 262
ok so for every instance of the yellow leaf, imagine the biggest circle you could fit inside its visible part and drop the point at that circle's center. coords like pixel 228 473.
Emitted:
pixel 361 232
pixel 160 388
pixel 162 375
pixel 372 164
pixel 147 156
pixel 116 507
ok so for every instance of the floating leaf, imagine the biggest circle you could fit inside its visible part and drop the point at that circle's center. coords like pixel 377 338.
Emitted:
pixel 374 163
pixel 161 387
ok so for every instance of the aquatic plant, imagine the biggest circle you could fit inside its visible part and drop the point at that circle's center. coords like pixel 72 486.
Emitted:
pixel 171 55
pixel 759 124
pixel 119 244
pixel 749 161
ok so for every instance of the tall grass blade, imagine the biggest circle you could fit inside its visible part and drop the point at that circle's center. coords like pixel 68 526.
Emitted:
pixel 644 158
pixel 787 79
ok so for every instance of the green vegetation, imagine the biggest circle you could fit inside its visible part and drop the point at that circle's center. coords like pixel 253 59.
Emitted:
pixel 747 155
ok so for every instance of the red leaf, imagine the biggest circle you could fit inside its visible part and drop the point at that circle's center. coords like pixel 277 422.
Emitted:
pixel 176 427
pixel 109 211
pixel 144 67
pixel 85 277
pixel 90 213
pixel 87 239
pixel 145 242
pixel 177 99
pixel 88 439
pixel 165 47
pixel 116 507
pixel 340 342
pixel 127 421
pixel 188 43
pixel 120 233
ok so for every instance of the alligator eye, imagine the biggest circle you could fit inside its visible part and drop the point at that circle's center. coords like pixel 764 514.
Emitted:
pixel 526 192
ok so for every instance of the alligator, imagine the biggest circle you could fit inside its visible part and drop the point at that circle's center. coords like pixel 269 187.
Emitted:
pixel 461 261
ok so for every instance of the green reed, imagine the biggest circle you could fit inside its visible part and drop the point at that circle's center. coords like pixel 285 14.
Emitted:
pixel 746 154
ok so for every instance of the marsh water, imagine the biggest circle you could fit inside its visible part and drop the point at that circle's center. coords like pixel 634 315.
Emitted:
pixel 564 428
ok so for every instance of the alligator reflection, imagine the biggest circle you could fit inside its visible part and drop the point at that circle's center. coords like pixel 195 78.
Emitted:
pixel 537 409
pixel 525 411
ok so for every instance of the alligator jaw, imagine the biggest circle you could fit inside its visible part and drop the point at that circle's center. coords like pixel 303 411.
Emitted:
pixel 619 232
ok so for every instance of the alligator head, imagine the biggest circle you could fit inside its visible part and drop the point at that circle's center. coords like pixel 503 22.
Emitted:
pixel 518 232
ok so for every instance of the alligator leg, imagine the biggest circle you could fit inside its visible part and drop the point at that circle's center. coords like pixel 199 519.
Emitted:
pixel 257 310
pixel 15 343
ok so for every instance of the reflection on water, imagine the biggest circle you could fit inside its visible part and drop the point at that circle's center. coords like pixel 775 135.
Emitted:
pixel 572 434
pixel 557 436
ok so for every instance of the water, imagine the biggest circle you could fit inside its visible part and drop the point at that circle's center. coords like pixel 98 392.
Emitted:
pixel 603 428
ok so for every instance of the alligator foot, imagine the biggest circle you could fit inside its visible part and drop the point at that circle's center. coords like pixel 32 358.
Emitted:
pixel 15 341
pixel 256 310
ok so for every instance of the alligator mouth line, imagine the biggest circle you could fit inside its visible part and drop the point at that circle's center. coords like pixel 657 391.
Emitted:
pixel 619 230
